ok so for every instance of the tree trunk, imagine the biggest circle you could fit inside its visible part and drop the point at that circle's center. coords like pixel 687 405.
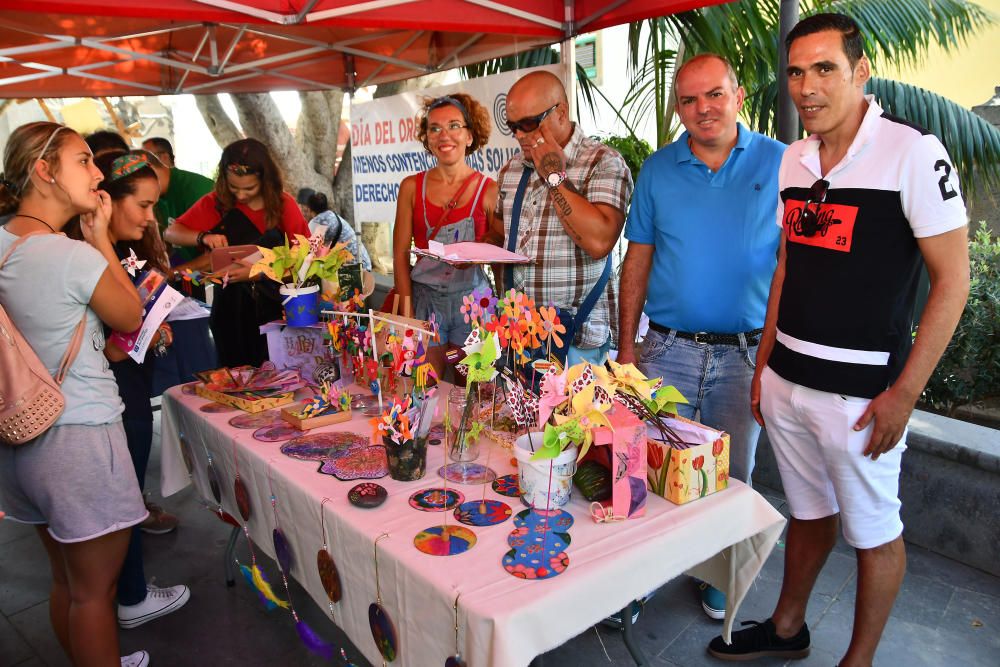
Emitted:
pixel 318 127
pixel 218 121
pixel 260 119
pixel 343 187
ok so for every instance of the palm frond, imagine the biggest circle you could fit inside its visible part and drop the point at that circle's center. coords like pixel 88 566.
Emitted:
pixel 972 142
pixel 901 31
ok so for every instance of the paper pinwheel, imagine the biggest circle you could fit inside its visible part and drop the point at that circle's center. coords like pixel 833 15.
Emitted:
pixel 557 438
pixel 132 263
pixel 481 359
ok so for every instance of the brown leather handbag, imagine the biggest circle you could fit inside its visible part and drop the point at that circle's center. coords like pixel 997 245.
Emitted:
pixel 30 399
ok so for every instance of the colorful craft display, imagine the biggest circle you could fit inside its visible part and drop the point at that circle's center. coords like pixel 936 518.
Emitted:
pixel 329 406
pixel 693 468
pixel 507 486
pixel 402 430
pixel 321 446
pixel 467 473
pixel 367 462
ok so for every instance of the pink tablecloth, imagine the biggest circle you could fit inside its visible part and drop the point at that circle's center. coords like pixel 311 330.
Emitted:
pixel 724 539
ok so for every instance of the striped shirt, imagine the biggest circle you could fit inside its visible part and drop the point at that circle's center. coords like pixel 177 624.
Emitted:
pixel 846 309
pixel 563 273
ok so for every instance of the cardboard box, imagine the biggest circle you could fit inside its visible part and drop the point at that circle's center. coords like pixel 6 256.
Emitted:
pixel 291 416
pixel 245 401
pixel 684 474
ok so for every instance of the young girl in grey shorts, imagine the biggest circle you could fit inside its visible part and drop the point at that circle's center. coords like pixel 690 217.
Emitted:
pixel 75 482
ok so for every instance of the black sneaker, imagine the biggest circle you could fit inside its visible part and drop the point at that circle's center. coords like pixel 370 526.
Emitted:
pixel 761 640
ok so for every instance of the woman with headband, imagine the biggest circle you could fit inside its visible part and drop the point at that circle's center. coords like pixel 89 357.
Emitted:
pixel 65 481
pixel 448 203
pixel 249 206
pixel 131 183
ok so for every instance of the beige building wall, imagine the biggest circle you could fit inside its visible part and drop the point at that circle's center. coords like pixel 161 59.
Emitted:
pixel 968 75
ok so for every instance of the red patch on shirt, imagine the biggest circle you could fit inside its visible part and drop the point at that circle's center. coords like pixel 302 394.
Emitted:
pixel 836 225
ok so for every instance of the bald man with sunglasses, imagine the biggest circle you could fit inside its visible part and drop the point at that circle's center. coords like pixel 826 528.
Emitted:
pixel 562 202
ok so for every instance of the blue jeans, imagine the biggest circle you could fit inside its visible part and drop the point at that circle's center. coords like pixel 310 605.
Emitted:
pixel 715 379
pixel 595 355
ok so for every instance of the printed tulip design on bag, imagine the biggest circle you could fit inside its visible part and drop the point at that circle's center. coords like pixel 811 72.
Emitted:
pixel 721 471
pixel 657 472
pixel 698 464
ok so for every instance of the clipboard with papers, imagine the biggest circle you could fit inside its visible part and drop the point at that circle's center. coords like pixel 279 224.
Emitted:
pixel 469 252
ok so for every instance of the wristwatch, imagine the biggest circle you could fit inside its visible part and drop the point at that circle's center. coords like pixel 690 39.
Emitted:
pixel 555 179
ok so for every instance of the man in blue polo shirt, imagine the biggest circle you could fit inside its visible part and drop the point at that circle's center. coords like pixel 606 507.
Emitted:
pixel 702 248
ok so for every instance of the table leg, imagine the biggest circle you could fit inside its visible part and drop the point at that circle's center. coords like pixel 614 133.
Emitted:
pixel 633 648
pixel 228 561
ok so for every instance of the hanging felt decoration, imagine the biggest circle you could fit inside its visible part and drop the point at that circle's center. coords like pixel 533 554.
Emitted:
pixel 309 638
pixel 382 628
pixel 328 574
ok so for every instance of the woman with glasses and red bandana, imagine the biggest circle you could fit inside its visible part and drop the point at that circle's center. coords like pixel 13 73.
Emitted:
pixel 249 206
pixel 449 203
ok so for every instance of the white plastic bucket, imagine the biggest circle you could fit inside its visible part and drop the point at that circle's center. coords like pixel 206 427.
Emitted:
pixel 545 483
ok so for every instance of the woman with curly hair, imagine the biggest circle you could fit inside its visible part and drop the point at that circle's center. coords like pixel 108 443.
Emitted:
pixel 249 206
pixel 448 203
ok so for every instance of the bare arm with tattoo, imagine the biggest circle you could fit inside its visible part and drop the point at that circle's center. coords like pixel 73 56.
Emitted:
pixel 593 227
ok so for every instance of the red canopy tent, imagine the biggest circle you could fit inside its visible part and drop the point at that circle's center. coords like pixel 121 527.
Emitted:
pixel 63 48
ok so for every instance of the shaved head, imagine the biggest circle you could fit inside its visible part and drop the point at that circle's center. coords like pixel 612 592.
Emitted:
pixel 533 94
pixel 542 85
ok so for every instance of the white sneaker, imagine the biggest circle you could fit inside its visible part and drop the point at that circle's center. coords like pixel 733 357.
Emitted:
pixel 158 602
pixel 137 659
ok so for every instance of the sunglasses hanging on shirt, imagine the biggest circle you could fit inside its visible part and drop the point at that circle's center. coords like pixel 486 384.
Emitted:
pixel 809 222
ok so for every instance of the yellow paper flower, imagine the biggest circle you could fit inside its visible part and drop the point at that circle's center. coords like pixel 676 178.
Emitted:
pixel 628 377
pixel 265 265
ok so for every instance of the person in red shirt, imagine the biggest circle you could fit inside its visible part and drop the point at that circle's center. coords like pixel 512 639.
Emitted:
pixel 249 206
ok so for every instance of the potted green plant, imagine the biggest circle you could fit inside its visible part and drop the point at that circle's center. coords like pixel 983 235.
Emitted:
pixel 299 266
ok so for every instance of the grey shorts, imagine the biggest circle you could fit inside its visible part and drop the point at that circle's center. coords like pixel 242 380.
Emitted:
pixel 79 480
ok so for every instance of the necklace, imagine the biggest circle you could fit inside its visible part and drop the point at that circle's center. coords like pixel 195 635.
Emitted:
pixel 25 215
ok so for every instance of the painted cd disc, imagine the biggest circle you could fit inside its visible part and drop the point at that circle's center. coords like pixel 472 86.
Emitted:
pixel 383 631
pixel 213 408
pixel 256 420
pixel 482 512
pixel 276 433
pixel 467 473
pixel 541 520
pixel 328 575
pixel 242 498
pixel 507 486
pixel 436 500
pixel 188 388
pixel 445 540
pixel 542 565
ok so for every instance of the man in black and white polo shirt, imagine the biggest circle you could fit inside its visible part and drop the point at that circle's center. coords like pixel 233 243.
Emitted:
pixel 865 201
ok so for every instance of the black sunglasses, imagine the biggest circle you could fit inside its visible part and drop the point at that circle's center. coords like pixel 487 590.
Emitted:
pixel 809 222
pixel 531 123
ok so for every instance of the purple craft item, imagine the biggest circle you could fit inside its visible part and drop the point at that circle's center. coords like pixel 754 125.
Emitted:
pixel 361 463
pixel 256 420
pixel 323 446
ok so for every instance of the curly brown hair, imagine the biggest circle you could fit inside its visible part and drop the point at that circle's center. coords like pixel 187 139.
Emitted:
pixel 477 118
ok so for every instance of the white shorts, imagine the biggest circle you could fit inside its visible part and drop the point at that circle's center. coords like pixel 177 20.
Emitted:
pixel 820 458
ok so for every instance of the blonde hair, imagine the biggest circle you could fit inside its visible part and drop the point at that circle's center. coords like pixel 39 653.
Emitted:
pixel 27 145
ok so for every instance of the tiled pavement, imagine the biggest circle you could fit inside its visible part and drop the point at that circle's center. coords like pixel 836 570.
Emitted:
pixel 947 614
